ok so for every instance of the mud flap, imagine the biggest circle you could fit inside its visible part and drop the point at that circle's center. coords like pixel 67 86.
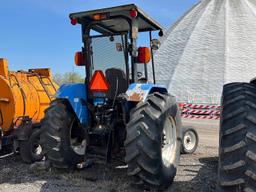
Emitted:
pixel 1 138
pixel 24 130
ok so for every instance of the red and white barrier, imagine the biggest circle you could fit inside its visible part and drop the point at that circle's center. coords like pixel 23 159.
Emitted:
pixel 200 111
pixel 201 106
pixel 200 116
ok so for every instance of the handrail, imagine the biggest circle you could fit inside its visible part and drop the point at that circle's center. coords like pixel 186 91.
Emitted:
pixel 22 92
pixel 42 83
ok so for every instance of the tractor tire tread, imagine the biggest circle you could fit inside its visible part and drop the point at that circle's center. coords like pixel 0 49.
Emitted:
pixel 143 138
pixel 57 117
pixel 237 154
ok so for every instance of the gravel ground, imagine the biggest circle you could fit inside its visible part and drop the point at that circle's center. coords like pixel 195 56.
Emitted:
pixel 197 172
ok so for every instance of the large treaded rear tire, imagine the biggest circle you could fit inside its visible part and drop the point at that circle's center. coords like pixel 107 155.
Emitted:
pixel 144 141
pixel 237 147
pixel 55 138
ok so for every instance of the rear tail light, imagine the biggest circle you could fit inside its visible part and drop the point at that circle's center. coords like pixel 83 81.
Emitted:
pixel 133 13
pixel 73 21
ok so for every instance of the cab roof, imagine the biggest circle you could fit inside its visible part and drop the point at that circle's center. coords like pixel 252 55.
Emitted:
pixel 117 25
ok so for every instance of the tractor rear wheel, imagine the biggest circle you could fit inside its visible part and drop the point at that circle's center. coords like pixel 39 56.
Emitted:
pixel 153 141
pixel 237 147
pixel 62 137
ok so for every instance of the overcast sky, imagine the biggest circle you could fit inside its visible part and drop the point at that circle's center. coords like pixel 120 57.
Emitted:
pixel 38 33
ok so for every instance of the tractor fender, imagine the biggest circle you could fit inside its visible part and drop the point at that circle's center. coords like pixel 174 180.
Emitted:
pixel 253 81
pixel 76 95
pixel 137 92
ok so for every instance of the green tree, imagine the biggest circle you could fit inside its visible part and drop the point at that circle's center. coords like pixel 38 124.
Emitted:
pixel 69 77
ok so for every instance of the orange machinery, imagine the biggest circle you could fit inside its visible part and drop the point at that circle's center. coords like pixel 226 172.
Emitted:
pixel 24 95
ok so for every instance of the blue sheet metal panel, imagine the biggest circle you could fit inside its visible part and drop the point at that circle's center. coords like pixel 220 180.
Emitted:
pixel 77 95
pixel 139 92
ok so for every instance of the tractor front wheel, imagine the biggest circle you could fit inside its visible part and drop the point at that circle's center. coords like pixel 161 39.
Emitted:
pixel 31 150
pixel 153 141
pixel 62 137
pixel 190 140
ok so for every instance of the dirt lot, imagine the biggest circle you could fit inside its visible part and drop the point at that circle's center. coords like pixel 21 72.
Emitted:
pixel 196 172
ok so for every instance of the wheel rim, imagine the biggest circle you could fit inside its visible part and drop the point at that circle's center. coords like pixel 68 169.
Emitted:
pixel 189 140
pixel 77 144
pixel 37 149
pixel 168 141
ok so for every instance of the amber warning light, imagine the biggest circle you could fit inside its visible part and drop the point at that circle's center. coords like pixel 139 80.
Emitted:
pixel 144 55
pixel 99 82
pixel 100 16
pixel 79 59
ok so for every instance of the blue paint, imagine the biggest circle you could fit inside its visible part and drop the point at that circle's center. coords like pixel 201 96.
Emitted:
pixel 147 86
pixel 132 86
pixel 76 95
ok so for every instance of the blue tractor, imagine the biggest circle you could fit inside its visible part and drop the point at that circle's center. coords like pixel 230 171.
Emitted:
pixel 117 111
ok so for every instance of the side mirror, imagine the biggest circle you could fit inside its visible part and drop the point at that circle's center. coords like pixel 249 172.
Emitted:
pixel 155 44
pixel 79 59
pixel 144 55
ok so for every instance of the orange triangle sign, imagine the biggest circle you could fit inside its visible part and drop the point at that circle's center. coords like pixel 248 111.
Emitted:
pixel 98 82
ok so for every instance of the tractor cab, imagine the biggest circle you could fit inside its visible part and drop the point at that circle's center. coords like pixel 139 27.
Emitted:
pixel 110 53
pixel 117 112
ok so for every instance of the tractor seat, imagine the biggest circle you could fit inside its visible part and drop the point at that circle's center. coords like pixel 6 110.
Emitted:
pixel 116 77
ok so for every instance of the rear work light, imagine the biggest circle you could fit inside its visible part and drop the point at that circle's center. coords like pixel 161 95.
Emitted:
pixel 99 82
